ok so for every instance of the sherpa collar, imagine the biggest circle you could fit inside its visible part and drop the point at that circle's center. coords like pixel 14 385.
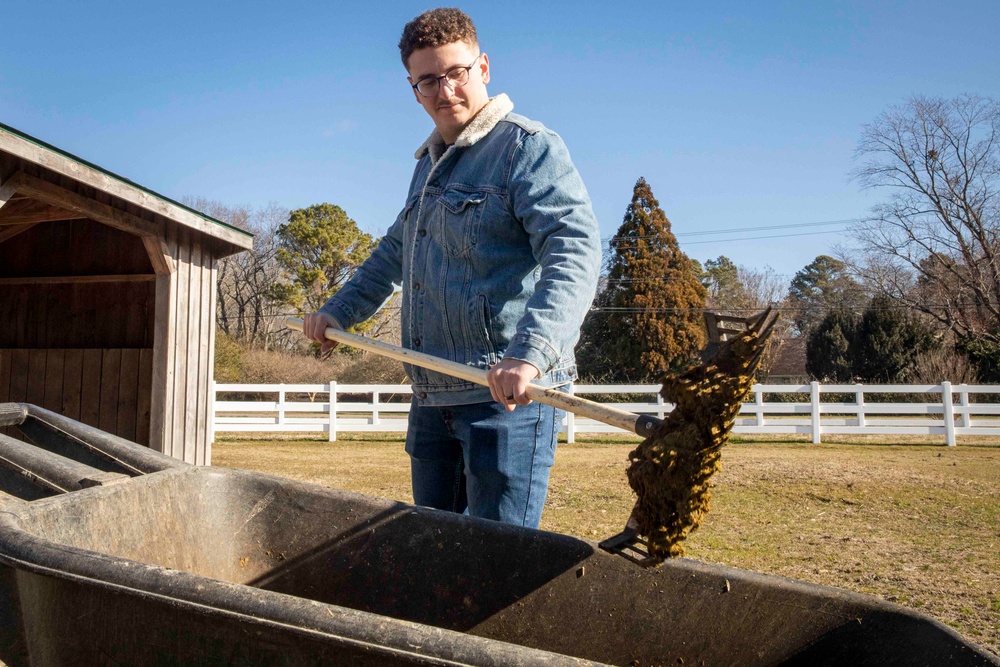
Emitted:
pixel 478 127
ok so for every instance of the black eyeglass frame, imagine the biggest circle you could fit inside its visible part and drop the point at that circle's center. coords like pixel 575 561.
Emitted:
pixel 437 79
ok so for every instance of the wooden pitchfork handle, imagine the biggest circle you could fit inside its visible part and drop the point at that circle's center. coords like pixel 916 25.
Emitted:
pixel 642 425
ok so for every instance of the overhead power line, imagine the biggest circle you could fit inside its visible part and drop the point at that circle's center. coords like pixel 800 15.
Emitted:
pixel 744 230
pixel 775 236
pixel 767 228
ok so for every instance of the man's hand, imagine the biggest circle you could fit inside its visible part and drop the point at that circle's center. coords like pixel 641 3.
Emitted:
pixel 315 324
pixel 508 381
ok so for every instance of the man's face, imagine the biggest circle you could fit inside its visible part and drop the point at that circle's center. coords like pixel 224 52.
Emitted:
pixel 451 108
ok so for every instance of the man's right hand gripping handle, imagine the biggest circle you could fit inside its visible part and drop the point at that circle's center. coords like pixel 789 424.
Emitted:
pixel 313 326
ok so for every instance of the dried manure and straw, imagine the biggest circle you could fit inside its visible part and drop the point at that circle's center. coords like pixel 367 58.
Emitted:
pixel 671 470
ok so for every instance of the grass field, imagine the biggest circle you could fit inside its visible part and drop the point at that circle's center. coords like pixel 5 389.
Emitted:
pixel 913 523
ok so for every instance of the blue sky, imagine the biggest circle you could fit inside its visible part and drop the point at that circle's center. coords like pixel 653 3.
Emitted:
pixel 740 115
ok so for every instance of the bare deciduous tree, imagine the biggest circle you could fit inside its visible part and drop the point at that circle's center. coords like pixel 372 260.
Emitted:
pixel 246 312
pixel 934 243
pixel 762 288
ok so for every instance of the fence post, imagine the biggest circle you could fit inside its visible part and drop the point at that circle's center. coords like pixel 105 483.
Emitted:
pixel 964 420
pixel 570 419
pixel 758 400
pixel 859 398
pixel 814 401
pixel 949 414
pixel 375 420
pixel 281 405
pixel 211 412
pixel 332 389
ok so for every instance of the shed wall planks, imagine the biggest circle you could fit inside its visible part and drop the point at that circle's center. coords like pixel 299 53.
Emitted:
pixel 72 384
pixel 97 387
pixel 90 396
pixel 34 391
pixel 66 315
pixel 175 413
pixel 206 372
pixel 181 361
pixel 5 383
pixel 128 386
pixel 55 360
pixel 144 397
pixel 192 406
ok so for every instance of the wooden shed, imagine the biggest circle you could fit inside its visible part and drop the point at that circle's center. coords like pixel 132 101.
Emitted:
pixel 107 298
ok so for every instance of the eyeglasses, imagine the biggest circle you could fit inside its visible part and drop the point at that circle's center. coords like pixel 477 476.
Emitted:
pixel 456 77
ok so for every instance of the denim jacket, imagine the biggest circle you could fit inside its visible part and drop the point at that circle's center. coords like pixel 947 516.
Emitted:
pixel 498 253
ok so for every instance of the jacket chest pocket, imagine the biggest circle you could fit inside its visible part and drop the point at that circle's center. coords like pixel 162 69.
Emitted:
pixel 459 219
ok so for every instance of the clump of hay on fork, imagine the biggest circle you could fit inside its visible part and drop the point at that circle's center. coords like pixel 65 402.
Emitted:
pixel 670 471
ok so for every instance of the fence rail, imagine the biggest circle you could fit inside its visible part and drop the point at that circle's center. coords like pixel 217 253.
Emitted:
pixel 769 408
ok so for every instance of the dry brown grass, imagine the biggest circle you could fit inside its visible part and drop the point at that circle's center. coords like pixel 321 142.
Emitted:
pixel 917 524
pixel 237 364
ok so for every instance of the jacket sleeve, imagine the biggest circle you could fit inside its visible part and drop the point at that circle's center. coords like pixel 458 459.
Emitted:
pixel 373 282
pixel 548 197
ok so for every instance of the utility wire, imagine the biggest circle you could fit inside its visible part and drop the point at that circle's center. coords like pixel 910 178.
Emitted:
pixel 767 228
pixel 618 243
pixel 740 230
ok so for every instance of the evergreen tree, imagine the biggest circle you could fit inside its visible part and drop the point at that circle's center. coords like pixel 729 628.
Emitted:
pixel 881 346
pixel 817 288
pixel 319 249
pixel 888 342
pixel 648 318
pixel 829 348
pixel 722 280
pixel 985 354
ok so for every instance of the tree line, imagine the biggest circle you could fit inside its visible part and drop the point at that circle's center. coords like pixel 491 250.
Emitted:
pixel 917 294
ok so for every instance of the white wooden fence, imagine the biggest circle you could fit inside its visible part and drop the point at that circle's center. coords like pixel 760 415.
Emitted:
pixel 942 409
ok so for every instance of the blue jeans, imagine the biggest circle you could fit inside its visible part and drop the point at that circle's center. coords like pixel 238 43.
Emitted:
pixel 482 460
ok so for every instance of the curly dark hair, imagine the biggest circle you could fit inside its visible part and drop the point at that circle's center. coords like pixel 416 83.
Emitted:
pixel 436 27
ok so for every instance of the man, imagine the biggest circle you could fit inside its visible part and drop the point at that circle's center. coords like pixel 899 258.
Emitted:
pixel 498 252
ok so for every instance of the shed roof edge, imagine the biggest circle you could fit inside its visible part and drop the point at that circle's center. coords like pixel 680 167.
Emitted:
pixel 181 211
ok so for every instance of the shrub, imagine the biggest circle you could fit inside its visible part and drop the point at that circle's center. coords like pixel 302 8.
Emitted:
pixel 229 362
pixel 941 364
pixel 271 367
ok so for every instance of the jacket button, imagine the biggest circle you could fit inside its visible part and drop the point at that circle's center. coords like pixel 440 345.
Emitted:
pixel 422 394
pixel 416 342
pixel 422 232
pixel 416 286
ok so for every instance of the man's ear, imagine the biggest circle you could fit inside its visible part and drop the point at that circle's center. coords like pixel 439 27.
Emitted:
pixel 484 67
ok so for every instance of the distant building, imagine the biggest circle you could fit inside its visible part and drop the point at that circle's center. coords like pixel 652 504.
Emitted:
pixel 789 366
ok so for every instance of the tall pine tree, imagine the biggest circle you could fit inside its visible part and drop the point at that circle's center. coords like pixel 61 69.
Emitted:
pixel 649 316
